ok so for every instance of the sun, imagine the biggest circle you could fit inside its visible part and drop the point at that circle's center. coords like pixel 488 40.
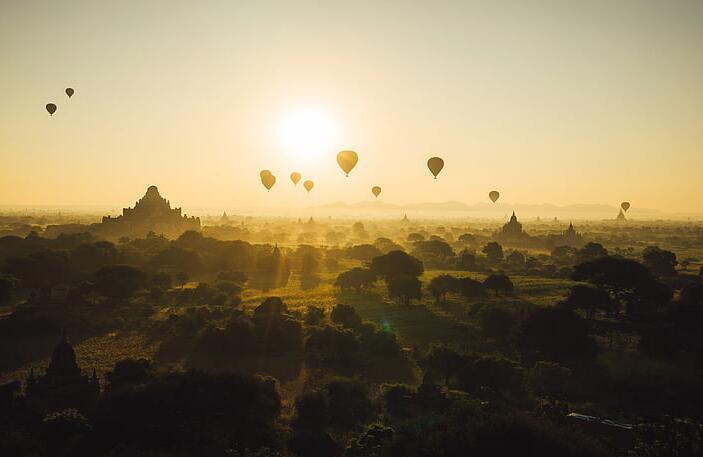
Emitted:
pixel 306 133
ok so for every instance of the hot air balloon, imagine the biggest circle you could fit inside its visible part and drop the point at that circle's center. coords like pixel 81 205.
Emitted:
pixel 308 185
pixel 295 177
pixel 376 191
pixel 268 180
pixel 625 206
pixel 69 92
pixel 493 195
pixel 51 108
pixel 263 173
pixel 347 161
pixel 435 164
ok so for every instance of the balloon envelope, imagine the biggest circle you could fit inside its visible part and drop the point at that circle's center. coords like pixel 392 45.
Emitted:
pixel 375 190
pixel 308 185
pixel 295 177
pixel 493 195
pixel 435 164
pixel 347 160
pixel 51 108
pixel 69 92
pixel 263 173
pixel 268 181
pixel 625 206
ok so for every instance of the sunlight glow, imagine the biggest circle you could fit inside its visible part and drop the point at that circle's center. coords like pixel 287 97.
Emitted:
pixel 306 133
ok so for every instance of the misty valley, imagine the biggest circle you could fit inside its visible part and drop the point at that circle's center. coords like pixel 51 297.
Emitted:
pixel 155 333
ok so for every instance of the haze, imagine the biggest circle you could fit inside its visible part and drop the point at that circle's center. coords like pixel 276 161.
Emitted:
pixel 548 102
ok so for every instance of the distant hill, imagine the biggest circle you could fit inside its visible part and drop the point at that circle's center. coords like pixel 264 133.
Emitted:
pixel 489 210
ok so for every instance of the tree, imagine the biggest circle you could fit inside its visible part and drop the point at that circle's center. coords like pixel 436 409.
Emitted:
pixel 309 265
pixel 442 361
pixel 404 288
pixel 331 346
pixel 498 282
pixel 433 251
pixel 89 257
pixel 659 261
pixel 271 307
pixel 386 245
pixel 161 280
pixel 39 270
pixel 470 288
pixel 62 430
pixel 467 238
pixel 7 285
pixel 467 260
pixel 554 333
pixel 238 277
pixel 349 403
pixel 311 412
pixel 314 315
pixel 181 278
pixel 176 258
pixel 612 272
pixel 119 281
pixel 627 280
pixel 129 373
pixel 647 297
pixel 496 323
pixel 356 278
pixel 516 258
pixel 441 285
pixel 363 252
pixel 493 251
pixel 549 379
pixel 591 251
pixel 346 316
pixel 692 294
pixel 396 263
pixel 564 254
pixel 590 299
pixel 206 410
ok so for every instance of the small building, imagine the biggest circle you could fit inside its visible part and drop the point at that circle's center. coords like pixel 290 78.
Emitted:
pixel 63 385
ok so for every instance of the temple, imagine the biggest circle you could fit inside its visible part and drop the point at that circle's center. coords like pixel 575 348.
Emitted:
pixel 512 230
pixel 569 237
pixel 621 216
pixel 63 385
pixel 151 213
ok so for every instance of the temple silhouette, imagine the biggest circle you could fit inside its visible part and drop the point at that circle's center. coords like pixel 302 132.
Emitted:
pixel 512 231
pixel 151 213
pixel 569 237
pixel 63 385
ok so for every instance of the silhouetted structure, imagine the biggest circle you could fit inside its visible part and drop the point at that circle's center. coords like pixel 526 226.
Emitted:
pixel 569 237
pixel 512 230
pixel 151 213
pixel 621 216
pixel 63 385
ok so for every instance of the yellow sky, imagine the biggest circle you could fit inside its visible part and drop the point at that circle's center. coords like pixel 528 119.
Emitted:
pixel 545 101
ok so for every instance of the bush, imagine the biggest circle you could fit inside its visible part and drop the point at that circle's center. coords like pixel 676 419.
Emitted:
pixel 346 316
pixel 549 379
pixel 404 288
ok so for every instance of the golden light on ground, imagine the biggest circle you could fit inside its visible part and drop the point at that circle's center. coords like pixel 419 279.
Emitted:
pixel 306 133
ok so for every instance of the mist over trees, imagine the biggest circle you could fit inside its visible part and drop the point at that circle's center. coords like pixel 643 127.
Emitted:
pixel 365 338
